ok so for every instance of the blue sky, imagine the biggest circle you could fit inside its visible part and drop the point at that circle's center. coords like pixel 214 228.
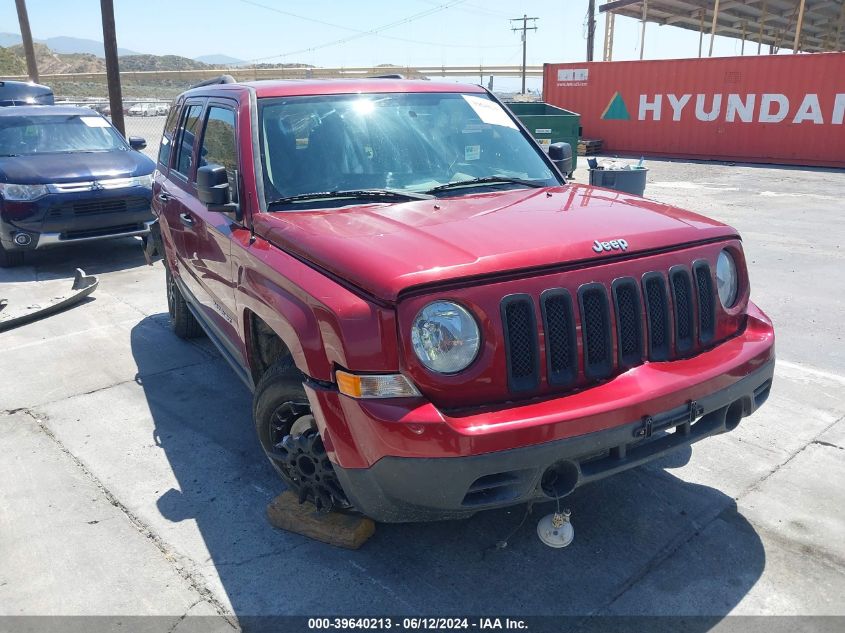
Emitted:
pixel 450 32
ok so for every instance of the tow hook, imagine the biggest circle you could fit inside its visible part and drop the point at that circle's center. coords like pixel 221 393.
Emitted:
pixel 695 411
pixel 647 428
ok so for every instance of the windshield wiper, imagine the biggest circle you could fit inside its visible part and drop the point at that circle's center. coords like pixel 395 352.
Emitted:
pixel 351 194
pixel 487 180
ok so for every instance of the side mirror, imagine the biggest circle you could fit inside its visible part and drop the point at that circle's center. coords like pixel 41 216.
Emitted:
pixel 561 155
pixel 213 191
pixel 213 186
pixel 137 143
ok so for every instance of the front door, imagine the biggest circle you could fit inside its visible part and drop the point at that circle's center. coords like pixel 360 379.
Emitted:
pixel 209 241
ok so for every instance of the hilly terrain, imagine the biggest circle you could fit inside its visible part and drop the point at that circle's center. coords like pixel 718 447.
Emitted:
pixel 64 44
pixel 54 62
pixel 50 62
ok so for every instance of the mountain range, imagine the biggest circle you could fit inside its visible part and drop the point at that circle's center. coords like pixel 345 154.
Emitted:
pixel 80 46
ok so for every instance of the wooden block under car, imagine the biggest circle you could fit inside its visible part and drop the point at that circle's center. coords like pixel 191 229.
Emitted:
pixel 335 528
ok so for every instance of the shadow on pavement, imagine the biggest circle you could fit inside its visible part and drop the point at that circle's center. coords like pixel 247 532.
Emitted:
pixel 93 257
pixel 625 527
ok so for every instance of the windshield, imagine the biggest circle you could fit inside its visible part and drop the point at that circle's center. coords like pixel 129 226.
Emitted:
pixel 52 134
pixel 401 142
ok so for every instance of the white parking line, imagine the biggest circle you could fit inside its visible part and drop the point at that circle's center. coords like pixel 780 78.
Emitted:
pixel 812 371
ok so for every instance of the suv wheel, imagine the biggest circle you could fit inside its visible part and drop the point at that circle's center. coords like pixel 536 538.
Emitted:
pixel 185 324
pixel 10 258
pixel 290 439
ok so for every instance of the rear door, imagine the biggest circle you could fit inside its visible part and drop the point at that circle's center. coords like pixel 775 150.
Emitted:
pixel 209 233
pixel 161 187
pixel 176 188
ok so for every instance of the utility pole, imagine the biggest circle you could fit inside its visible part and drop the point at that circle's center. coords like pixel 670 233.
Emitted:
pixel 26 37
pixel 645 21
pixel 591 29
pixel 112 67
pixel 524 28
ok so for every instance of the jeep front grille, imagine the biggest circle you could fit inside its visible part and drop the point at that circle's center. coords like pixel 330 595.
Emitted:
pixel 660 317
pixel 561 344
pixel 521 342
pixel 706 302
pixel 626 302
pixel 682 299
pixel 595 329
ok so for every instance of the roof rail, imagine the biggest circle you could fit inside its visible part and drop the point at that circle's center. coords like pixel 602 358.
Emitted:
pixel 222 79
pixel 388 76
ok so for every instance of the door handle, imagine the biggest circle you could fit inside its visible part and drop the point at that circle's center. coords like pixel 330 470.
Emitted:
pixel 186 219
pixel 164 196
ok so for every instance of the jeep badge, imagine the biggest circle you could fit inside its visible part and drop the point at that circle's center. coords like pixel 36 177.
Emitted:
pixel 612 245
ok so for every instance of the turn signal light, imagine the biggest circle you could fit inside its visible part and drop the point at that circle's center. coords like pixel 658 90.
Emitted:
pixel 375 385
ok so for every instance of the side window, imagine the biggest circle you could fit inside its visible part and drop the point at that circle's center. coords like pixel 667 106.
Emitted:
pixel 187 132
pixel 166 145
pixel 219 143
pixel 219 146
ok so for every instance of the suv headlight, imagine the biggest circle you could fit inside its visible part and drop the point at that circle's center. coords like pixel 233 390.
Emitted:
pixel 727 281
pixel 445 337
pixel 143 181
pixel 22 192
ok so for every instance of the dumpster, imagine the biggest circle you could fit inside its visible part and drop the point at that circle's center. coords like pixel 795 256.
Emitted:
pixel 548 124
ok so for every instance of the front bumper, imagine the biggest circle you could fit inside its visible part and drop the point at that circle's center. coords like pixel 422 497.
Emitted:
pixel 67 218
pixel 400 489
pixel 408 460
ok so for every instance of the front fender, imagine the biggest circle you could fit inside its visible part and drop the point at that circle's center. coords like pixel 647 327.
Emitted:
pixel 323 323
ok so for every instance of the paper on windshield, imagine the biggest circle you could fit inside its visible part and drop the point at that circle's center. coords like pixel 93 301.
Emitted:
pixel 94 121
pixel 489 111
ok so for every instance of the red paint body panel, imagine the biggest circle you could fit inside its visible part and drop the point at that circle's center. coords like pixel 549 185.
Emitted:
pixel 810 135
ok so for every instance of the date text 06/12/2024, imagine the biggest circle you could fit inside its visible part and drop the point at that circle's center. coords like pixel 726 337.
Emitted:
pixel 421 623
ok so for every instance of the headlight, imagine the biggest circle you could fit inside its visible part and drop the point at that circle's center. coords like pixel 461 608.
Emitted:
pixel 445 337
pixel 726 279
pixel 143 181
pixel 22 192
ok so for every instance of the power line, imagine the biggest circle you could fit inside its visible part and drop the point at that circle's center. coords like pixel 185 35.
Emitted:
pixel 524 28
pixel 364 33
pixel 474 9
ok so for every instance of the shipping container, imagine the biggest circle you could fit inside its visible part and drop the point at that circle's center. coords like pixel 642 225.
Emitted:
pixel 785 109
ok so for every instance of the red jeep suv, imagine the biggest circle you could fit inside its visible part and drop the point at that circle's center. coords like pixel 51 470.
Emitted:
pixel 433 322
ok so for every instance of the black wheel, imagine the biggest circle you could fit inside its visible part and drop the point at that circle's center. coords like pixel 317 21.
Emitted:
pixel 185 324
pixel 290 439
pixel 9 259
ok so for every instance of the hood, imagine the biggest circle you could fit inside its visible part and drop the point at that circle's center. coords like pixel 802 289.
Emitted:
pixel 50 168
pixel 385 249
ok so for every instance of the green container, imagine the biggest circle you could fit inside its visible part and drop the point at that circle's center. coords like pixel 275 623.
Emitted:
pixel 549 124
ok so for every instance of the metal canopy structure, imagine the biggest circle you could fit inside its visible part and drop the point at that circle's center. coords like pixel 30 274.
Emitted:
pixel 810 26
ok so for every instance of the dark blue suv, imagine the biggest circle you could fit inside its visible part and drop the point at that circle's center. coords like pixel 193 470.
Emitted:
pixel 67 175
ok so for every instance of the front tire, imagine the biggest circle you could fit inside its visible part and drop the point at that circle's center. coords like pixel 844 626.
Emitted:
pixel 288 434
pixel 185 324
